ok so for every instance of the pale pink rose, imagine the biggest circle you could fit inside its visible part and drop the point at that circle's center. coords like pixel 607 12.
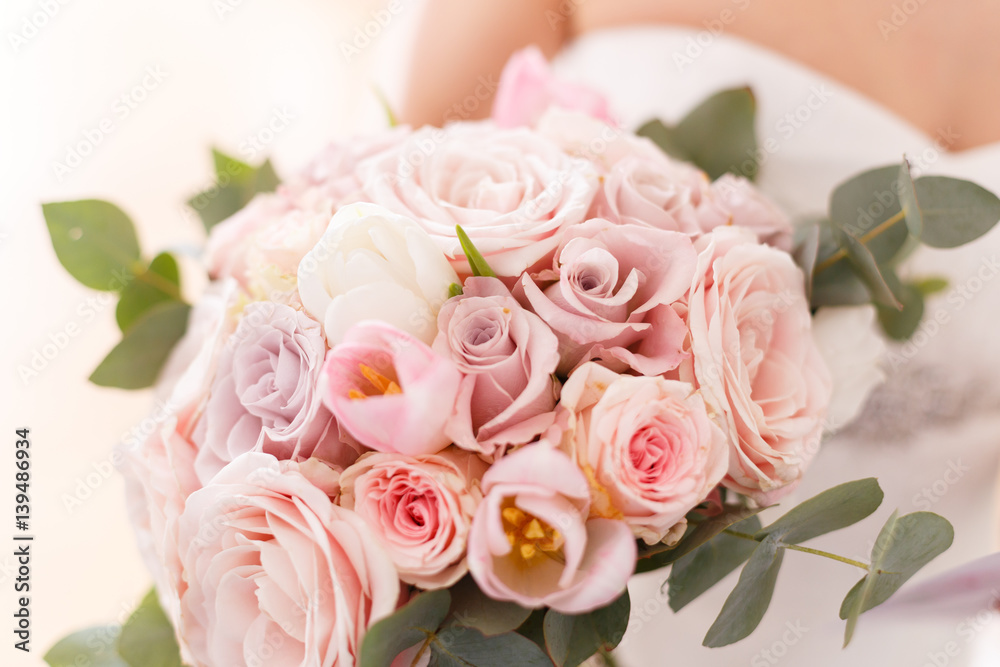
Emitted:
pixel 334 171
pixel 647 445
pixel 532 542
pixel 601 143
pixel 277 574
pixel 748 207
pixel 612 293
pixel 420 508
pixel 389 390
pixel 755 360
pixel 159 476
pixel 507 356
pixel 527 88
pixel 265 395
pixel 657 191
pixel 511 190
pixel 157 457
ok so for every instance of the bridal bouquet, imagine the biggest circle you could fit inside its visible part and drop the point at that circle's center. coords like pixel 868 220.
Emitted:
pixel 448 389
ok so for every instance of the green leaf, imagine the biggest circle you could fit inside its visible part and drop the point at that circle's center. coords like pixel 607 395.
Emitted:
pixel 902 323
pixel 95 647
pixel 745 606
pixel 573 639
pixel 147 639
pixel 236 184
pixel 833 509
pixel 94 240
pixel 908 201
pixel 904 545
pixel 160 282
pixel 867 268
pixel 466 647
pixel 477 263
pixel 954 211
pixel 534 627
pixel 718 135
pixel 136 361
pixel 839 285
pixel 652 557
pixel 693 574
pixel 806 251
pixel 472 608
pixel 862 204
pixel 454 290
pixel 412 624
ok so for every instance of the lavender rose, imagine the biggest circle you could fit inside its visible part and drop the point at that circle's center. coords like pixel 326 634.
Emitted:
pixel 507 356
pixel 612 293
pixel 265 396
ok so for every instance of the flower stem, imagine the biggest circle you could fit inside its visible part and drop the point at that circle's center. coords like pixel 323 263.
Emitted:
pixel 841 253
pixel 796 547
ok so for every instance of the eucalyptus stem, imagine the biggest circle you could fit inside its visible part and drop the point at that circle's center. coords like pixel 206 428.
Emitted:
pixel 841 253
pixel 796 547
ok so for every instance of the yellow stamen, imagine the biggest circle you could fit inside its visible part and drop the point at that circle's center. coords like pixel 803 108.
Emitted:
pixel 381 383
pixel 356 395
pixel 513 515
pixel 533 531
pixel 529 536
pixel 527 551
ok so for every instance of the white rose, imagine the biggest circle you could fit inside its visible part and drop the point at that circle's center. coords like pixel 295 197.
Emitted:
pixel 372 264
pixel 849 342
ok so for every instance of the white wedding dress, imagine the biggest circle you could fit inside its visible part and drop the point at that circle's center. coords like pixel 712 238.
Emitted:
pixel 931 434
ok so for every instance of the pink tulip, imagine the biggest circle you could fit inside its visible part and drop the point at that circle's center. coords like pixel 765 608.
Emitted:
pixel 532 542
pixel 390 390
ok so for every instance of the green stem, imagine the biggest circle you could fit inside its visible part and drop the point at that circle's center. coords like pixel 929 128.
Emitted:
pixel 796 547
pixel 841 253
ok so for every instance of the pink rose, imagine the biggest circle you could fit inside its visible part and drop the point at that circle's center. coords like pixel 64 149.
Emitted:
pixel 748 207
pixel 755 360
pixel 647 445
pixel 532 542
pixel 507 356
pixel 420 508
pixel 527 88
pixel 265 397
pixel 512 191
pixel 612 293
pixel 277 574
pixel 656 191
pixel 390 390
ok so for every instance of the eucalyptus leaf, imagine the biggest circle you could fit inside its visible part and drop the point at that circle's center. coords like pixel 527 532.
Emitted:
pixel 652 557
pixel 236 184
pixel 147 638
pixel 696 572
pixel 745 606
pixel 414 623
pixel 158 283
pixel 95 647
pixel 806 252
pixel 466 647
pixel 902 323
pixel 718 135
pixel 472 608
pixel 478 264
pixel 94 240
pixel 954 211
pixel 136 361
pixel 904 545
pixel 571 639
pixel 839 285
pixel 931 285
pixel 833 509
pixel 863 205
pixel 867 268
